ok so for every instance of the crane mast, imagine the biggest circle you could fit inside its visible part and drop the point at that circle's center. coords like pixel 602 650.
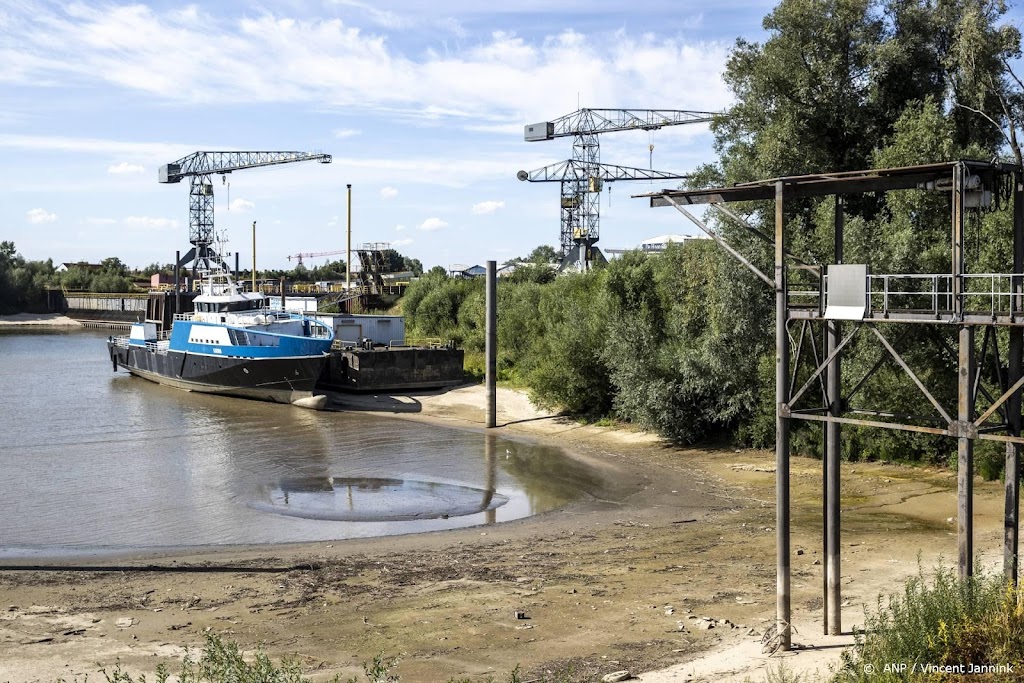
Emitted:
pixel 583 175
pixel 199 168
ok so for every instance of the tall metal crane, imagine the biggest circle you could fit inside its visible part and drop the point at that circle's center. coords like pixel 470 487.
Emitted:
pixel 199 168
pixel 313 254
pixel 582 177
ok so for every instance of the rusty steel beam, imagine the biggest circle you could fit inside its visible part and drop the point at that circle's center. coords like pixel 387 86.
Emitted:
pixel 965 395
pixel 999 402
pixel 965 456
pixel 832 459
pixel 1015 370
pixel 824 364
pixel 722 243
pixel 974 319
pixel 906 368
pixel 757 233
pixel 783 615
pixel 871 423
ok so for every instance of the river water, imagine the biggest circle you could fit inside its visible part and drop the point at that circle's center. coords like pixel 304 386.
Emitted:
pixel 93 461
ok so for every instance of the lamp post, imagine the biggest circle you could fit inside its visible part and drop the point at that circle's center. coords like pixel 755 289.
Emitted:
pixel 254 256
pixel 348 248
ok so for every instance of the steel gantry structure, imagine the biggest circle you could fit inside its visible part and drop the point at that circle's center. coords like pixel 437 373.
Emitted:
pixel 583 175
pixel 199 168
pixel 845 302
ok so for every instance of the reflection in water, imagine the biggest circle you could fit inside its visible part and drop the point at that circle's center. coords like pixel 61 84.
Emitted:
pixel 376 500
pixel 491 462
pixel 96 459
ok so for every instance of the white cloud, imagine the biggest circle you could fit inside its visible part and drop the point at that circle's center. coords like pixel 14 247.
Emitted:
pixel 57 143
pixel 399 228
pixel 125 167
pixel 241 205
pixel 149 223
pixel 401 243
pixel 433 224
pixel 193 56
pixel 333 222
pixel 37 216
pixel 388 192
pixel 489 206
pixel 342 133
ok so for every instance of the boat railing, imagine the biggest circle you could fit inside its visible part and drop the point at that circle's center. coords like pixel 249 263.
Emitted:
pixel 160 344
pixel 418 342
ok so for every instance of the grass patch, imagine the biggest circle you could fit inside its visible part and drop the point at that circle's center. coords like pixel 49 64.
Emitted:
pixel 221 661
pixel 938 628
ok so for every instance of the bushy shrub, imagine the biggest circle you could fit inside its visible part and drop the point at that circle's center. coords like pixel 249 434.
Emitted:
pixel 944 622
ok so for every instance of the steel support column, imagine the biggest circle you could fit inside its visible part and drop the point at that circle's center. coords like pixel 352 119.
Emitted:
pixel 833 597
pixel 965 386
pixel 1011 528
pixel 783 615
pixel 965 454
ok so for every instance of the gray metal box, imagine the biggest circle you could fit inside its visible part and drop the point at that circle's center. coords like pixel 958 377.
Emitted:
pixel 539 131
pixel 167 171
pixel 847 291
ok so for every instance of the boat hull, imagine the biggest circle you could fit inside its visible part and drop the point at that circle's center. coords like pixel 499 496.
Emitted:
pixel 283 380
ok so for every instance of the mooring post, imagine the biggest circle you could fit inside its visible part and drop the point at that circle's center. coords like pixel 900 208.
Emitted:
pixel 491 350
pixel 1011 528
pixel 782 616
pixel 833 597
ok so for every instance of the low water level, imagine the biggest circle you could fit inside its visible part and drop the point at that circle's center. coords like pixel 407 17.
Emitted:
pixel 95 461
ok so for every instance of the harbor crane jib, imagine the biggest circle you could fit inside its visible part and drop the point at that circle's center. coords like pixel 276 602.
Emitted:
pixel 582 177
pixel 313 254
pixel 199 168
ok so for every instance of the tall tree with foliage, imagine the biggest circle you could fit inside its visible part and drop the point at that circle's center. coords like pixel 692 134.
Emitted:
pixel 850 84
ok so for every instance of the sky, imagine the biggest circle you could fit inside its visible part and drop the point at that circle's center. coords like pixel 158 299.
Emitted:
pixel 421 105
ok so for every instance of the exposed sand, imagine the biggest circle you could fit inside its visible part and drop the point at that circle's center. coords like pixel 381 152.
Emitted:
pixel 609 583
pixel 38 320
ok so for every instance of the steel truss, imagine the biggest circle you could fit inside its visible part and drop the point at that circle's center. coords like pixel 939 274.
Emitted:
pixel 989 380
pixel 583 175
pixel 199 168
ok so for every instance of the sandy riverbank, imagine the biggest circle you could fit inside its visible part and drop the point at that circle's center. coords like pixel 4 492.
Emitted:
pixel 37 320
pixel 606 583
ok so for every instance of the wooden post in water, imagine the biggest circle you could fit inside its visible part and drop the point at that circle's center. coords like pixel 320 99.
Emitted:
pixel 491 351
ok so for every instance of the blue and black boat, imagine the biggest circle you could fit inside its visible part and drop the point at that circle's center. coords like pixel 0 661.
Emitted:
pixel 231 344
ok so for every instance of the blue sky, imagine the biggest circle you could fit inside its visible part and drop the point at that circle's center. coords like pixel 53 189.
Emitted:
pixel 422 106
